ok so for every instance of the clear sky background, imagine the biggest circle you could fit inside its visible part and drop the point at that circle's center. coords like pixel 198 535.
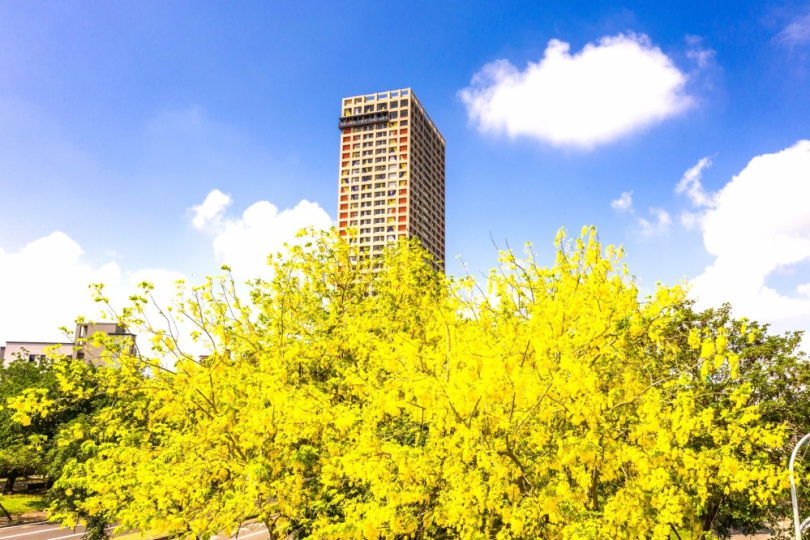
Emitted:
pixel 679 129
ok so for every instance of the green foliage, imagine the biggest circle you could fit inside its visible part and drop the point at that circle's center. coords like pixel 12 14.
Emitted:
pixel 44 442
pixel 21 446
pixel 778 375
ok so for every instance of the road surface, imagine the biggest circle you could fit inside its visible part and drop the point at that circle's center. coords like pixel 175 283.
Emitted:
pixel 44 530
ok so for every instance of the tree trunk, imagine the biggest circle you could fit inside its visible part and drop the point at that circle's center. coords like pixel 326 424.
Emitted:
pixel 9 485
pixel 3 508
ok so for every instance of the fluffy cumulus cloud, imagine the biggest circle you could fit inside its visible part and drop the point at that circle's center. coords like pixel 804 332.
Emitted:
pixel 45 284
pixel 209 213
pixel 757 224
pixel 244 243
pixel 606 91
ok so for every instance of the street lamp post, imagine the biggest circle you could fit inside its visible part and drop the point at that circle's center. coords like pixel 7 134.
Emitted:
pixel 798 524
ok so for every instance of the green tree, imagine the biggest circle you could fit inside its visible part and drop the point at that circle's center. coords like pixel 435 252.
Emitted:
pixel 46 443
pixel 777 375
pixel 22 450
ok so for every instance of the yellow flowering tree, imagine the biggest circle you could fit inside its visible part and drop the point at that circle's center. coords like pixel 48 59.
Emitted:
pixel 337 402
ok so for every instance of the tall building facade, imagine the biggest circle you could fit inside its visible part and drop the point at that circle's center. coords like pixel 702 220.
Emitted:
pixel 391 182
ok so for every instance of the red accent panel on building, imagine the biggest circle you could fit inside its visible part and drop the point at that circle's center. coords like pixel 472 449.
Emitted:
pixel 343 215
pixel 403 218
pixel 345 156
pixel 403 191
pixel 344 197
pixel 402 227
pixel 347 146
pixel 344 206
pixel 343 224
pixel 403 200
pixel 403 131
pixel 403 139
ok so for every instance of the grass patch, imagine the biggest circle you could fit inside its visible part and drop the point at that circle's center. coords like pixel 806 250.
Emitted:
pixel 18 505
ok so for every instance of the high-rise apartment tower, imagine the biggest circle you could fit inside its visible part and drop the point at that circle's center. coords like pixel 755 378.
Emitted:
pixel 391 173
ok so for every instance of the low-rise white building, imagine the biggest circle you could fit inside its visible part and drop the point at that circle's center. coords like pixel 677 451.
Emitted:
pixel 31 350
pixel 82 349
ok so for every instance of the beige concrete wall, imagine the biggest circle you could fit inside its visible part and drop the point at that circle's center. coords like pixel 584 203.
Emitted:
pixel 91 353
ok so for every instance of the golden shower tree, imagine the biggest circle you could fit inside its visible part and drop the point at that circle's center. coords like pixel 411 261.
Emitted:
pixel 336 402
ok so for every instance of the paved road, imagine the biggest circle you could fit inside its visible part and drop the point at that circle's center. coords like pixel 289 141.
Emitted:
pixel 253 531
pixel 39 531
pixel 50 531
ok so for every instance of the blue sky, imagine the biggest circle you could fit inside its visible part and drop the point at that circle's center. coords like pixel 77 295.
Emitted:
pixel 118 119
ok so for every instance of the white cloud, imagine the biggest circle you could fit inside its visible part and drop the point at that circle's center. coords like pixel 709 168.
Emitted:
pixel 660 225
pixel 624 203
pixel 46 285
pixel 244 243
pixel 758 223
pixel 209 213
pixel 690 219
pixel 797 32
pixel 702 57
pixel 596 96
pixel 690 184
